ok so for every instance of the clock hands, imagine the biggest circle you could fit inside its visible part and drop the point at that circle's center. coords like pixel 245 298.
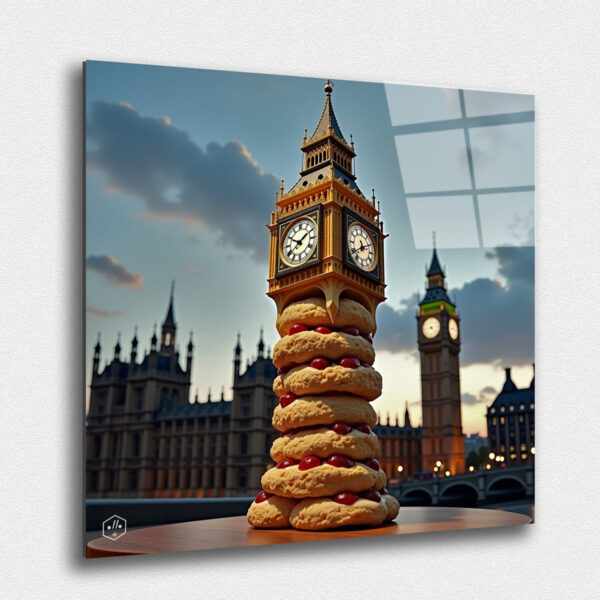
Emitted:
pixel 298 242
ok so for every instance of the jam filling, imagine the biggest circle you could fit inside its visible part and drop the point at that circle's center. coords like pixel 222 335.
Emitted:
pixel 349 498
pixel 325 330
pixel 335 460
pixel 339 428
pixel 262 496
pixel 348 362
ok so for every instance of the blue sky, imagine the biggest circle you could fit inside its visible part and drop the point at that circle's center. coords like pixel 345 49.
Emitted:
pixel 182 170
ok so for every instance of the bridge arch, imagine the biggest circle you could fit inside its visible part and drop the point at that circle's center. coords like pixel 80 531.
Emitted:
pixel 417 497
pixel 506 487
pixel 461 493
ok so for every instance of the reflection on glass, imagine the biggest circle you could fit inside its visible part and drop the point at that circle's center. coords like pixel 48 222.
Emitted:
pixel 496 103
pixel 503 155
pixel 416 104
pixel 432 162
pixel 451 217
pixel 507 219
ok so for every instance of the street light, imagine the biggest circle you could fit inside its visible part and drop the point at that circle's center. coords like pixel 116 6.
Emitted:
pixel 471 468
pixel 488 466
pixel 492 456
pixel 400 468
pixel 532 449
pixel 447 473
pixel 438 463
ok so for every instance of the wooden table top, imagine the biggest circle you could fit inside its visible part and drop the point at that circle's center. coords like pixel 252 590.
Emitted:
pixel 233 532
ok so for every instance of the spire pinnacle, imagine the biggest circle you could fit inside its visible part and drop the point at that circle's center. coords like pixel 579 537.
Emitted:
pixel 328 124
pixel 170 318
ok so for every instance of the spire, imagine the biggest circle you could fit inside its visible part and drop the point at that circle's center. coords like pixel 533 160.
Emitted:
pixel 328 124
pixel 97 347
pixel 261 345
pixel 190 345
pixel 435 267
pixel 134 341
pixel 509 385
pixel 237 357
pixel 406 417
pixel 118 347
pixel 153 340
pixel 170 318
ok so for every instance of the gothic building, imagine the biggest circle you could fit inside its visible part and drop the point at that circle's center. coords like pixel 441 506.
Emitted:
pixel 511 423
pixel 439 346
pixel 144 438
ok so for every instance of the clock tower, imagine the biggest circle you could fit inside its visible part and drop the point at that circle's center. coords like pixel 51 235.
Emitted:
pixel 326 238
pixel 443 445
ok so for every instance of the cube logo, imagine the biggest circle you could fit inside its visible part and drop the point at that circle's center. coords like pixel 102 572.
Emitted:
pixel 114 527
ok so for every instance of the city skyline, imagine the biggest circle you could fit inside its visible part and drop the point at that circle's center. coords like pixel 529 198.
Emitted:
pixel 173 194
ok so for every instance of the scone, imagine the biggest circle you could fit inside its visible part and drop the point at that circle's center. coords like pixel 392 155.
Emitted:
pixel 269 511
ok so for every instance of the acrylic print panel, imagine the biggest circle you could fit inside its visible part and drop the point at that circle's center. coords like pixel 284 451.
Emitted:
pixel 361 366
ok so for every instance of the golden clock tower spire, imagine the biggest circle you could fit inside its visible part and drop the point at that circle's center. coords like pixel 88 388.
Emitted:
pixel 326 236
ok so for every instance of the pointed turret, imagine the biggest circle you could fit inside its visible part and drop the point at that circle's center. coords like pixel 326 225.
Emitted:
pixel 118 347
pixel 169 327
pixel 328 124
pixel 153 340
pixel 509 385
pixel 134 346
pixel 407 417
pixel 237 357
pixel 261 345
pixel 435 268
pixel 190 352
pixel 436 285
pixel 96 361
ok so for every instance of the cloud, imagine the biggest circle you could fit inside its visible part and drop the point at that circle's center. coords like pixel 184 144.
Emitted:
pixel 221 187
pixel 100 312
pixel 497 320
pixel 486 395
pixel 397 329
pixel 114 271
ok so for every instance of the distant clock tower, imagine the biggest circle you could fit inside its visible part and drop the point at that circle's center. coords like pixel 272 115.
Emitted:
pixel 439 345
pixel 326 238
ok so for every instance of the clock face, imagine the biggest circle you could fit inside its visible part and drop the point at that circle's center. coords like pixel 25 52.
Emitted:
pixel 299 242
pixel 431 327
pixel 453 328
pixel 362 247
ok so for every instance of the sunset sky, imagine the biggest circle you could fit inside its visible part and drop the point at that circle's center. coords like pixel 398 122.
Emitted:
pixel 182 170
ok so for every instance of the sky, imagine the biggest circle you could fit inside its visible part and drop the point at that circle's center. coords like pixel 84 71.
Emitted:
pixel 182 166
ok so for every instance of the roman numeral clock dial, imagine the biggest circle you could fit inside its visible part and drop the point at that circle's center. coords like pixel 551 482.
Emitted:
pixel 362 247
pixel 299 242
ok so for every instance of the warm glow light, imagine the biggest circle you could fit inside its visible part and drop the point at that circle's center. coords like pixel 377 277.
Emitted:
pixel 471 468
pixel 532 449
pixel 435 469
pixel 488 466
pixel 400 468
pixel 492 455
pixel 447 473
pixel 438 463
pixel 497 459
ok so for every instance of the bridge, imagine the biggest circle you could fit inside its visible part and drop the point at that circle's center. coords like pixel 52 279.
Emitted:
pixel 468 489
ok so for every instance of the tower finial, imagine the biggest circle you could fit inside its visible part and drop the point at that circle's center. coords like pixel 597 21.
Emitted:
pixel 328 87
pixel 433 236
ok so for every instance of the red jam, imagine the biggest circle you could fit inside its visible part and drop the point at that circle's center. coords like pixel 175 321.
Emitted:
pixel 383 491
pixel 351 330
pixel 286 462
pixel 364 428
pixel 372 463
pixel 323 330
pixel 337 460
pixel 372 495
pixel 282 370
pixel 349 362
pixel 346 498
pixel 286 399
pixel 320 363
pixel 262 496
pixel 309 462
pixel 341 428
